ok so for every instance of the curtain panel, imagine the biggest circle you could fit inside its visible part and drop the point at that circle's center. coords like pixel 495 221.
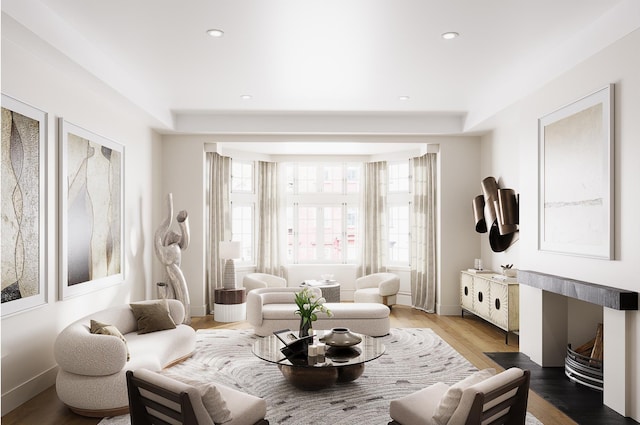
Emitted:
pixel 218 220
pixel 374 217
pixel 423 232
pixel 268 238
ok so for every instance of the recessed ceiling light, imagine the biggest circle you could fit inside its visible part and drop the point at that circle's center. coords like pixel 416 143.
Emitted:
pixel 450 35
pixel 215 32
pixel 246 97
pixel 404 97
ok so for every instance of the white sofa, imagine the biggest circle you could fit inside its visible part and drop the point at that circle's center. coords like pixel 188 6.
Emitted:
pixel 273 309
pixel 91 378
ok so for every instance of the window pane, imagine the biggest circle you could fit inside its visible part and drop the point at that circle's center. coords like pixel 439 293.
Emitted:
pixel 353 178
pixel 399 177
pixel 289 177
pixel 352 234
pixel 307 234
pixel 290 235
pixel 399 233
pixel 307 178
pixel 332 178
pixel 241 176
pixel 242 229
pixel 332 233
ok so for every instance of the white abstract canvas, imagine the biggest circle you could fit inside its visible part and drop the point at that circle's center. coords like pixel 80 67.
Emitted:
pixel 91 211
pixel 575 178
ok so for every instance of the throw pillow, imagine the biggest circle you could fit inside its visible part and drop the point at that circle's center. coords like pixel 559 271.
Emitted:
pixel 213 401
pixel 102 329
pixel 450 400
pixel 152 317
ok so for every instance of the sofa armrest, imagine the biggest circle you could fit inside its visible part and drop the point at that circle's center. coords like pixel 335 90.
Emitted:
pixel 78 351
pixel 389 287
pixel 176 310
pixel 254 308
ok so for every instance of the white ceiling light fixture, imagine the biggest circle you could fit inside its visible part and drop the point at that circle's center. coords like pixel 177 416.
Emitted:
pixel 404 98
pixel 246 97
pixel 450 35
pixel 216 33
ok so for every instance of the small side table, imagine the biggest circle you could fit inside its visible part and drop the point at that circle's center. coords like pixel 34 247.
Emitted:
pixel 230 305
pixel 330 289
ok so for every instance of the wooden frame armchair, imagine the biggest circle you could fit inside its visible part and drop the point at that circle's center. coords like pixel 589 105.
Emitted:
pixel 500 399
pixel 156 399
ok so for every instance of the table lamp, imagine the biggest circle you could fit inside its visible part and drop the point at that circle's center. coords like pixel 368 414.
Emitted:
pixel 229 251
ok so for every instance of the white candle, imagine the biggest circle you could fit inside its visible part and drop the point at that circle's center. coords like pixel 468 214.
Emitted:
pixel 321 347
pixel 313 350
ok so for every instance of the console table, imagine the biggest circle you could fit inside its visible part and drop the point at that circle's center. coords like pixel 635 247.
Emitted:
pixel 493 298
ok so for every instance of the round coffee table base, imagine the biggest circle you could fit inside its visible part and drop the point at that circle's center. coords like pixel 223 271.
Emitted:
pixel 350 373
pixel 317 378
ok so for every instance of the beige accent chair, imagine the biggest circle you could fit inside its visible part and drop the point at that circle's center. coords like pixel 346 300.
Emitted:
pixel 159 399
pixel 262 280
pixel 498 399
pixel 377 288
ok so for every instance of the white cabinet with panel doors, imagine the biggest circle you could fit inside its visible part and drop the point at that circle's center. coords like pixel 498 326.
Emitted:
pixel 493 298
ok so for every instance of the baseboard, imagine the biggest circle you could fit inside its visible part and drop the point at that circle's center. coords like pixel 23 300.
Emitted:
pixel 448 310
pixel 198 311
pixel 26 391
pixel 403 299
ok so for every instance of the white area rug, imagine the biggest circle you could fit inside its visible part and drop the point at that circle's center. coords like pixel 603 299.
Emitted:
pixel 414 358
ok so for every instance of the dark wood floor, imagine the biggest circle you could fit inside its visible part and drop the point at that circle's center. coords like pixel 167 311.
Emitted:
pixel 582 404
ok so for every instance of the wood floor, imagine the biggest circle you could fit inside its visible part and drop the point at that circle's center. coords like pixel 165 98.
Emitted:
pixel 470 336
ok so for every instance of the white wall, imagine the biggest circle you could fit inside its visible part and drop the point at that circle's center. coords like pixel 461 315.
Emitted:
pixel 514 141
pixel 458 243
pixel 35 74
pixel 183 174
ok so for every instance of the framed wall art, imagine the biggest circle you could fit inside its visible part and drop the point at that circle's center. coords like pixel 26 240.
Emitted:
pixel 91 211
pixel 576 145
pixel 23 203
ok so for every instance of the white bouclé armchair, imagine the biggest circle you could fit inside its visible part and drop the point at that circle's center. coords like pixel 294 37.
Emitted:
pixel 262 280
pixel 377 288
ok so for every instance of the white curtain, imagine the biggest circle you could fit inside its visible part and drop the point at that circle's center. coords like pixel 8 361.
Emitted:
pixel 219 219
pixel 423 232
pixel 374 217
pixel 268 237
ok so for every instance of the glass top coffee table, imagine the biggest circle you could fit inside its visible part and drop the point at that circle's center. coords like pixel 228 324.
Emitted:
pixel 339 364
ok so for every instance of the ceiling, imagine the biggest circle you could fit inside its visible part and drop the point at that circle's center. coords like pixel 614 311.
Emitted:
pixel 324 60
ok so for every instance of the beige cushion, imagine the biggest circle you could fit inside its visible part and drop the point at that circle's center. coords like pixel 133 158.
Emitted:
pixel 245 408
pixel 450 400
pixel 153 316
pixel 103 329
pixel 213 401
pixel 417 408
